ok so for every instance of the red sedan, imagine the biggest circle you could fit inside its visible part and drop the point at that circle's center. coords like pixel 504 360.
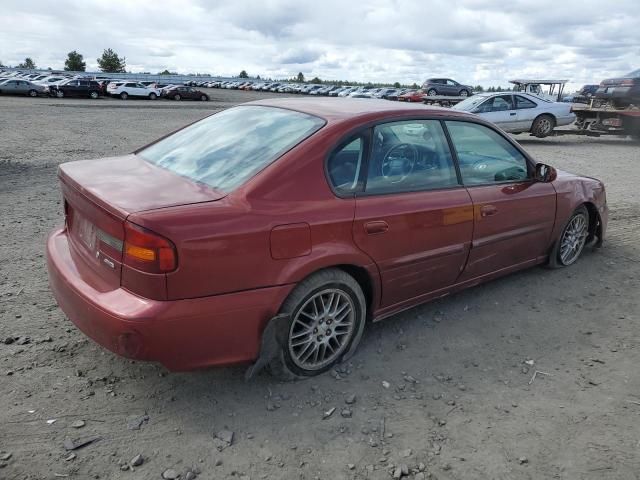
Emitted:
pixel 272 231
pixel 411 96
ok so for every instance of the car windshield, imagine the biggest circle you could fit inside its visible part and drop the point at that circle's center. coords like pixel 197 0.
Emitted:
pixel 470 103
pixel 228 148
pixel 634 74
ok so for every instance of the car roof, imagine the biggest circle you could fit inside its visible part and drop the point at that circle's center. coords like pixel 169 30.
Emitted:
pixel 337 109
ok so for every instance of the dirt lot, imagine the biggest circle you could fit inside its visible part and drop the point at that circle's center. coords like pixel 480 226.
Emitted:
pixel 460 402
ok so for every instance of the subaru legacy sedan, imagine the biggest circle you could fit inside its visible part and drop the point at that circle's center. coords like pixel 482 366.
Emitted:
pixel 274 231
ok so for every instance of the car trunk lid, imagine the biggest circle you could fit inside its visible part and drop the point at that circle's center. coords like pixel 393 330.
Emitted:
pixel 99 195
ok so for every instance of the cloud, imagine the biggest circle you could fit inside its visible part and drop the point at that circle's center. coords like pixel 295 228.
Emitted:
pixel 473 41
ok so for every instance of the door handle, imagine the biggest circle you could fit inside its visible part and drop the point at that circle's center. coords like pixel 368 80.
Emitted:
pixel 512 114
pixel 488 210
pixel 378 226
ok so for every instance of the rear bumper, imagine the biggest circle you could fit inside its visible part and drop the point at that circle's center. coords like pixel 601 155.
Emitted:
pixel 180 334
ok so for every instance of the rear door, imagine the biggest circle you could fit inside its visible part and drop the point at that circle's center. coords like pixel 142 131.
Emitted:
pixel 413 218
pixel 527 110
pixel 513 214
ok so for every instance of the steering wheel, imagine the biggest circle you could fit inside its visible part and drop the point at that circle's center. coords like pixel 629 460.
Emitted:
pixel 398 162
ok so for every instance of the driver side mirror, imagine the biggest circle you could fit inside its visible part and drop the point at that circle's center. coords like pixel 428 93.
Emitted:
pixel 545 173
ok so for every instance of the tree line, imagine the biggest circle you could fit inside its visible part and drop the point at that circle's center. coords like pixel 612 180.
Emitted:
pixel 111 62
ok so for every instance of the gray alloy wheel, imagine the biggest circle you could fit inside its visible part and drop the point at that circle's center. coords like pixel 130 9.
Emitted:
pixel 574 237
pixel 327 315
pixel 464 93
pixel 59 93
pixel 432 92
pixel 124 95
pixel 33 93
pixel 543 126
pixel 177 97
pixel 204 98
pixel 93 95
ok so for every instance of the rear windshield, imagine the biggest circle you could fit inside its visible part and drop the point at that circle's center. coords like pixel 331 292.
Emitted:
pixel 228 148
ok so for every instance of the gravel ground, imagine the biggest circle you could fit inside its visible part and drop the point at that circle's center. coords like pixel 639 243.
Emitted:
pixel 442 391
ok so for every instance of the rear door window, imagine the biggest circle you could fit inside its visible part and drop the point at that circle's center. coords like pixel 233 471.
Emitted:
pixel 522 102
pixel 345 166
pixel 410 156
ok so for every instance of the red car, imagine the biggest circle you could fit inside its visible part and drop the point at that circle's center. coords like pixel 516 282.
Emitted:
pixel 412 96
pixel 273 231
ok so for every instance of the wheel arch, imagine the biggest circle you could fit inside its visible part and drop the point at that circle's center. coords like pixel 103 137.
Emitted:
pixel 595 223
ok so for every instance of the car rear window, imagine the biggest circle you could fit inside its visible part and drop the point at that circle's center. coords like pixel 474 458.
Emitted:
pixel 228 148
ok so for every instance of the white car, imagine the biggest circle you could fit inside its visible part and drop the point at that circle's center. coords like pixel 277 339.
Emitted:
pixel 125 90
pixel 519 112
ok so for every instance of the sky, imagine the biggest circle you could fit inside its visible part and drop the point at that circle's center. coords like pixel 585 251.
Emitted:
pixel 471 41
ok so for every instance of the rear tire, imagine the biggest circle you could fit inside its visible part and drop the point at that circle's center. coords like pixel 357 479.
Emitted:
pixel 124 95
pixel 204 98
pixel 177 97
pixel 432 92
pixel 33 93
pixel 327 314
pixel 464 93
pixel 152 96
pixel 59 94
pixel 543 126
pixel 93 95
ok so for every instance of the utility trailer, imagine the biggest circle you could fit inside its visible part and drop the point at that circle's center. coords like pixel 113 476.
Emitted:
pixel 598 119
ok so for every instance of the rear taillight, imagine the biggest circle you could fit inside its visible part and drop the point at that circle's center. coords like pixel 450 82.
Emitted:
pixel 147 251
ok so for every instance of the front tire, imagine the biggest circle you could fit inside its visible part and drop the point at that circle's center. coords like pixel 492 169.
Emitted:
pixel 204 98
pixel 152 96
pixel 93 95
pixel 543 126
pixel 33 93
pixel 572 240
pixel 177 97
pixel 124 95
pixel 327 314
pixel 432 92
pixel 59 94
pixel 464 93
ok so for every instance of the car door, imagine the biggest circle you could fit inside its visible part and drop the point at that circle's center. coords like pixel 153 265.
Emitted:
pixel 452 87
pixel 500 111
pixel 413 218
pixel 528 109
pixel 513 214
pixel 10 87
pixel 22 87
pixel 71 88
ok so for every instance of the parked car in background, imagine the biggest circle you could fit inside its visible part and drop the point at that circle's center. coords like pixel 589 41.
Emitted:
pixel 442 200
pixel 447 87
pixel 51 80
pixel 125 90
pixel 15 86
pixel 184 93
pixel 519 112
pixel 396 95
pixel 412 96
pixel 583 95
pixel 622 91
pixel 76 88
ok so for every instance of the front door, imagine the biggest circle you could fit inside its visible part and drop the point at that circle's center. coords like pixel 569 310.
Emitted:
pixel 513 214
pixel 413 218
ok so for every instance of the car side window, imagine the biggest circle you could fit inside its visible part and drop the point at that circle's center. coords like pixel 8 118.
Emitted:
pixel 408 156
pixel 522 102
pixel 500 103
pixel 485 156
pixel 345 165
